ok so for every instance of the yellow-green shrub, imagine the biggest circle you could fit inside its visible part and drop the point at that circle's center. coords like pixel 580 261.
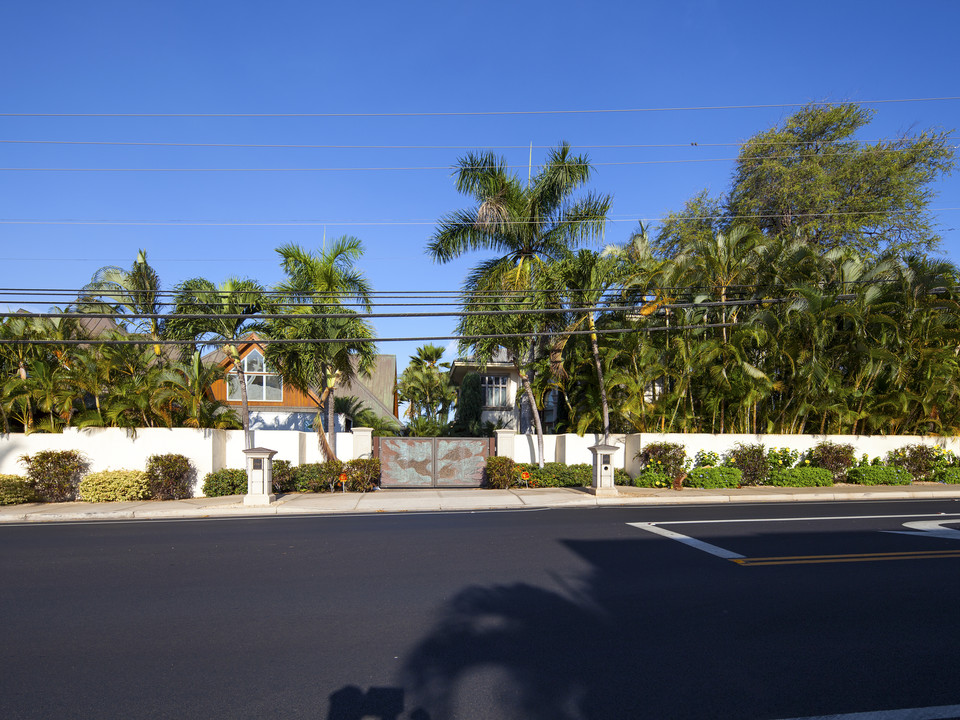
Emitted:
pixel 115 485
pixel 16 490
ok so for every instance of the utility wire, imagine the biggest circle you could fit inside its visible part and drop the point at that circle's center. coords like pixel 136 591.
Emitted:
pixel 483 112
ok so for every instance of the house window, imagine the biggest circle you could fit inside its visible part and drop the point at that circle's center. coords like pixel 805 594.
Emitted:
pixel 263 385
pixel 494 390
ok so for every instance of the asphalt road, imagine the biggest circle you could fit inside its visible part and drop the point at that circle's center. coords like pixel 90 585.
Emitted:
pixel 766 611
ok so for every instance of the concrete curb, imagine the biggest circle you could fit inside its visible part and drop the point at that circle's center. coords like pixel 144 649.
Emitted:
pixel 442 500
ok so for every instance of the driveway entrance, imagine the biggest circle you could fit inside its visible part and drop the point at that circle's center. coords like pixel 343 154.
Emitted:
pixel 432 462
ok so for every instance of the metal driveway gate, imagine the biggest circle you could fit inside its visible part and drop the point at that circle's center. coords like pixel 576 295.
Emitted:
pixel 432 462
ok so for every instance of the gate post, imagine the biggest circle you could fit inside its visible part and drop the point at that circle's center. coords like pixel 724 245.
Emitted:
pixel 362 442
pixel 506 440
pixel 602 485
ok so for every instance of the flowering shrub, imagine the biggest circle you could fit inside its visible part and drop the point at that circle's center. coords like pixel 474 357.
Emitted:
pixel 801 477
pixel 782 458
pixel 666 458
pixel 706 458
pixel 918 460
pixel 652 478
pixel 949 475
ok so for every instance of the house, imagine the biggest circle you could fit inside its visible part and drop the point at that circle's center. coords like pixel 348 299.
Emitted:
pixel 500 388
pixel 276 407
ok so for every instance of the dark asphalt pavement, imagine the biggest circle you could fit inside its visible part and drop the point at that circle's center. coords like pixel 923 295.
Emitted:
pixel 541 615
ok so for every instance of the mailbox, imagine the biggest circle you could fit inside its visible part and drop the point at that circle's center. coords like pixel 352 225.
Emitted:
pixel 603 470
pixel 259 476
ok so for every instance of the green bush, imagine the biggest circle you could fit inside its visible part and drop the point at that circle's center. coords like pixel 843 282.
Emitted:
pixel 501 473
pixel 666 458
pixel 228 481
pixel 283 476
pixel 621 477
pixel 918 460
pixel 16 490
pixel 801 477
pixel 714 477
pixel 781 458
pixel 706 458
pixel 878 475
pixel 55 474
pixel 171 476
pixel 654 479
pixel 949 475
pixel 363 474
pixel 318 477
pixel 751 461
pixel 115 486
pixel 835 457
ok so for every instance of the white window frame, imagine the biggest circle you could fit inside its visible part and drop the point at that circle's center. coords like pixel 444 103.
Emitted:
pixel 257 381
pixel 493 388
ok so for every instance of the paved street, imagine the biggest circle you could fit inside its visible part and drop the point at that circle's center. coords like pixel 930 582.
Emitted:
pixel 736 611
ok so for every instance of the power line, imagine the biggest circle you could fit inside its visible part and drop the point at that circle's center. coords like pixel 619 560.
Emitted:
pixel 459 113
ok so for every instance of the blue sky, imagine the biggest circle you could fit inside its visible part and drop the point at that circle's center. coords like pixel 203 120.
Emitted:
pixel 300 57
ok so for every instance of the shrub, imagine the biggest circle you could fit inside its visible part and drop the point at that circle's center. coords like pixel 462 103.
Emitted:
pixel 501 473
pixel 835 457
pixel 363 474
pixel 664 457
pixel 706 458
pixel 115 486
pixel 878 475
pixel 55 474
pixel 652 478
pixel 918 460
pixel 949 475
pixel 228 481
pixel 621 477
pixel 16 490
pixel 801 477
pixel 283 476
pixel 751 461
pixel 318 477
pixel 171 476
pixel 781 458
pixel 714 477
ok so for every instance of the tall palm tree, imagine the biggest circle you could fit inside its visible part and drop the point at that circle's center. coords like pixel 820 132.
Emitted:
pixel 136 291
pixel 228 310
pixel 323 283
pixel 525 226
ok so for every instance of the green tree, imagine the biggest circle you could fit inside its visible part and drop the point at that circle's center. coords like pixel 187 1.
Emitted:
pixel 228 312
pixel 322 284
pixel 811 177
pixel 525 225
pixel 426 387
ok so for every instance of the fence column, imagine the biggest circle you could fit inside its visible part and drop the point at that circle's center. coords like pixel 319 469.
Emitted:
pixel 506 440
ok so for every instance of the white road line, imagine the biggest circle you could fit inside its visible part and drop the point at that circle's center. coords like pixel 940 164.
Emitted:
pixel 941 712
pixel 686 540
pixel 802 519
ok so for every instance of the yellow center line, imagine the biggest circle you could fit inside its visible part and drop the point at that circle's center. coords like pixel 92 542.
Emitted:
pixel 857 557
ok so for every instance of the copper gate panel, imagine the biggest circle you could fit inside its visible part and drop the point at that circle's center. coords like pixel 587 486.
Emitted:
pixel 432 462
pixel 406 462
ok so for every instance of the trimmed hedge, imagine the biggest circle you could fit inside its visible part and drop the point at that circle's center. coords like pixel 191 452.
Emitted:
pixel 171 476
pixel 317 477
pixel 283 476
pixel 115 486
pixel 714 477
pixel 16 490
pixel 228 481
pixel 801 477
pixel 949 475
pixel 363 474
pixel 878 475
pixel 55 474
pixel 501 473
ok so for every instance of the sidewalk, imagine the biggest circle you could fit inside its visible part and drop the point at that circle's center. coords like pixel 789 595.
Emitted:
pixel 464 500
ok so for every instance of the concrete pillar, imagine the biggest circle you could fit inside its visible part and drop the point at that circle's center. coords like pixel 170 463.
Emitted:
pixel 259 476
pixel 362 442
pixel 506 441
pixel 602 485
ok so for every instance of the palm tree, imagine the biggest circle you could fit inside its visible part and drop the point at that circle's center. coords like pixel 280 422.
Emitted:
pixel 322 284
pixel 425 387
pixel 525 225
pixel 185 394
pixel 135 291
pixel 228 311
